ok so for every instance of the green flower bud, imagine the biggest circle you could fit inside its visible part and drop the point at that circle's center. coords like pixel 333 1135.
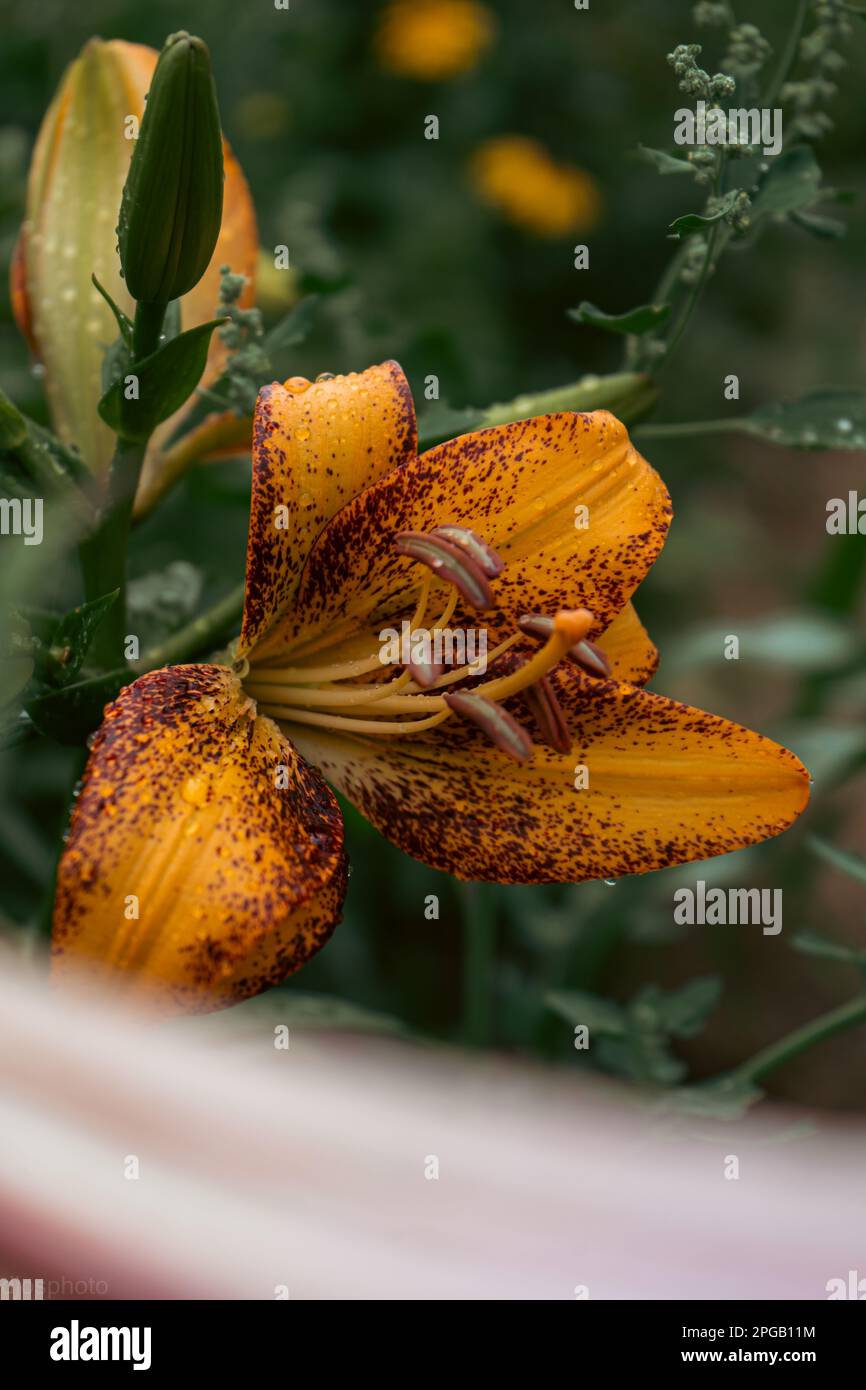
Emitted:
pixel 172 201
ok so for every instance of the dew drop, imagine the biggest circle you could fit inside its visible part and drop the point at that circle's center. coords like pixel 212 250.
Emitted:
pixel 297 385
pixel 610 883
pixel 326 376
pixel 302 434
pixel 194 791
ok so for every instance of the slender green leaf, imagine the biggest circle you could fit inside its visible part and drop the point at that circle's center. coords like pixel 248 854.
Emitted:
pixel 812 943
pixel 842 859
pixel 638 320
pixel 664 163
pixel 124 324
pixel 825 228
pixel 590 1010
pixel 696 222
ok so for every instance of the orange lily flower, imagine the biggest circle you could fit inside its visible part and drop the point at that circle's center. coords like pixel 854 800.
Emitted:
pixel 79 166
pixel 205 859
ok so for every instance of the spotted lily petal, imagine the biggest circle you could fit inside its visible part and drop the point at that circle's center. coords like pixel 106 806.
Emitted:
pixel 205 859
pixel 523 487
pixel 314 448
pixel 666 784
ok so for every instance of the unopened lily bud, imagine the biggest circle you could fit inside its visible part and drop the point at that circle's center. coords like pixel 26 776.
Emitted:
pixel 173 197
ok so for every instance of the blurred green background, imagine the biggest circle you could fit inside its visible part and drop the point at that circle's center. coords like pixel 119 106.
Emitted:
pixel 412 263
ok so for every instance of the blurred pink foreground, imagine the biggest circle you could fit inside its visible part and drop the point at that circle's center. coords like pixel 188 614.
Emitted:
pixel 302 1172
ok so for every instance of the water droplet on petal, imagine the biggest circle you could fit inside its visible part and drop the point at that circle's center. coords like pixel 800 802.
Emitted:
pixel 302 434
pixel 610 883
pixel 195 791
pixel 297 385
pixel 325 376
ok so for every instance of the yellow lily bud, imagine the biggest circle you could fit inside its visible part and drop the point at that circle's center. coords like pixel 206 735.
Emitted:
pixel 77 175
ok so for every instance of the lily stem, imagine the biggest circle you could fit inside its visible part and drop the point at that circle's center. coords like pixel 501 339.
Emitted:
pixel 103 553
pixel 479 954
pixel 848 1015
pixel 200 635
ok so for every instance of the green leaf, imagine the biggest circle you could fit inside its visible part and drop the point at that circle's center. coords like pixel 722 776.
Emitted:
pixel 683 1012
pixel 715 1100
pixel 801 642
pixel 124 324
pixel 75 632
pixel 16 655
pixel 643 1055
pixel 294 328
pixel 626 394
pixel 161 601
pixel 442 421
pixel 696 222
pixel 664 163
pixel 830 418
pixel 842 859
pixel 309 1012
pixel 597 1014
pixel 115 364
pixel 68 715
pixel 825 419
pixel 638 320
pixel 825 228
pixel 166 379
pixel 792 182
pixel 811 943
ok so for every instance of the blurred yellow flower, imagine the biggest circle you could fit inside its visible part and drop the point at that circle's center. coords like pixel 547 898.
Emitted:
pixel 519 177
pixel 431 39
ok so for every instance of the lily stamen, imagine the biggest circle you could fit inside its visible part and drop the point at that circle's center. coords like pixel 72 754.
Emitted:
pixel 328 695
pixel 500 727
pixel 360 726
pixel 449 561
pixel 585 654
pixel 547 712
